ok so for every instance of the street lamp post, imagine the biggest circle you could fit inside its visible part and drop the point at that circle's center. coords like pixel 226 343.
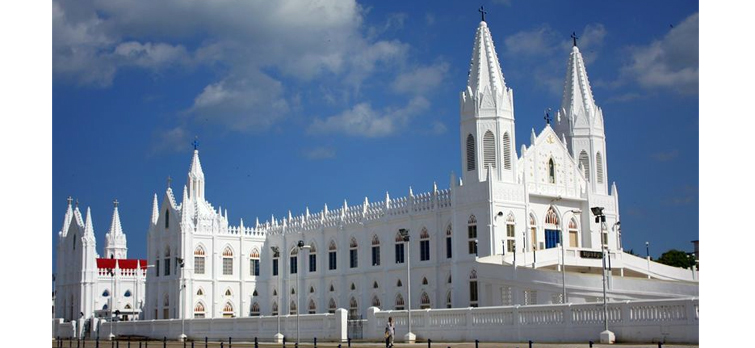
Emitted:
pixel 301 247
pixel 409 337
pixel 111 271
pixel 278 336
pixel 181 294
pixel 563 259
pixel 606 336
pixel 647 256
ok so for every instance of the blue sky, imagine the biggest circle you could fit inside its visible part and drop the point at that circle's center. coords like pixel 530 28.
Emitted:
pixel 297 105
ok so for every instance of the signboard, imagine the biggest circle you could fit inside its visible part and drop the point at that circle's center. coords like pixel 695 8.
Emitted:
pixel 590 254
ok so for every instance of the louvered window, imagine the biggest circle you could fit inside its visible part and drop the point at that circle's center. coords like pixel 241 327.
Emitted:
pixel 470 153
pixel 584 161
pixel 599 167
pixel 488 144
pixel 506 151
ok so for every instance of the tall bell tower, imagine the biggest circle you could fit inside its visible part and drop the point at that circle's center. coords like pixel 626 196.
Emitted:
pixel 487 116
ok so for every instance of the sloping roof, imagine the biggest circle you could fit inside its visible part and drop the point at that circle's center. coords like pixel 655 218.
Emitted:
pixel 122 263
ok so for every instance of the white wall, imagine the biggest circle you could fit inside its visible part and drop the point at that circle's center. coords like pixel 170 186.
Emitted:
pixel 631 321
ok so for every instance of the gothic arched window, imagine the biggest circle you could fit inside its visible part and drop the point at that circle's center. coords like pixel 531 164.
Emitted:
pixel 599 167
pixel 552 231
pixel 488 149
pixel 584 161
pixel 470 153
pixel 199 260
pixel 199 310
pixel 506 151
pixel 551 171
pixel 227 261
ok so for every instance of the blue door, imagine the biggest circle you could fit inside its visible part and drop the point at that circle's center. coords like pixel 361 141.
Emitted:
pixel 552 237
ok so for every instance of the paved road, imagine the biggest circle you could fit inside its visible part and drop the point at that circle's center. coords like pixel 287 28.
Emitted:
pixel 245 344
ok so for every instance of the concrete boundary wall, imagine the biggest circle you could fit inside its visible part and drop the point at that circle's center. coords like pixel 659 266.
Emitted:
pixel 329 327
pixel 631 321
pixel 675 321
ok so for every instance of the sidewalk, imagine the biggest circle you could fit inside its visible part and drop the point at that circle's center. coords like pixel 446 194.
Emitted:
pixel 248 344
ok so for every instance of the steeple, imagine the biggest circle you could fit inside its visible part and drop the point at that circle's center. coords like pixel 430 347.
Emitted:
pixel 115 239
pixel 577 101
pixel 88 226
pixel 195 182
pixel 68 217
pixel 485 71
pixel 155 210
pixel 580 122
pixel 487 115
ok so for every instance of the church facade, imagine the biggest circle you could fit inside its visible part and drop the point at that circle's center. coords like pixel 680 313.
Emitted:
pixel 510 227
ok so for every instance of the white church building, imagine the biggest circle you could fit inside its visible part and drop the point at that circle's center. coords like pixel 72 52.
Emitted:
pixel 514 228
pixel 89 286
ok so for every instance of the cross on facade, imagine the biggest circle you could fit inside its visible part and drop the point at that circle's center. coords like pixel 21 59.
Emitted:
pixel 547 116
pixel 482 12
pixel 574 38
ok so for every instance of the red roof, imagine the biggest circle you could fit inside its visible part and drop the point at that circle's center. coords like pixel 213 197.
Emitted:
pixel 122 263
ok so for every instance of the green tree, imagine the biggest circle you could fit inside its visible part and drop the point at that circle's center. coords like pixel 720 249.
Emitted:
pixel 676 258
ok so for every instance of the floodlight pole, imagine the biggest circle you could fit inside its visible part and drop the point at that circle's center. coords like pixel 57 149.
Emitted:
pixel 409 337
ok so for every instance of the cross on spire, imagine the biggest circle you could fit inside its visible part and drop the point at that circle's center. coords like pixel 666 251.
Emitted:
pixel 77 202
pixel 195 143
pixel 169 180
pixel 115 203
pixel 69 200
pixel 482 12
pixel 574 38
pixel 547 116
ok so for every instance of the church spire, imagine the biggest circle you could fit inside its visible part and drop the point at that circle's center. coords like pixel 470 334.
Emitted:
pixel 580 122
pixel 196 176
pixel 155 210
pixel 68 217
pixel 88 226
pixel 485 70
pixel 577 100
pixel 115 223
pixel 115 239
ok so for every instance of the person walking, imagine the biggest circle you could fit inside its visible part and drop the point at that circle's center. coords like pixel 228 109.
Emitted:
pixel 390 331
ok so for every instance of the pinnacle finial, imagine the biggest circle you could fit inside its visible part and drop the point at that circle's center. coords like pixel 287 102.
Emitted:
pixel 482 12
pixel 574 38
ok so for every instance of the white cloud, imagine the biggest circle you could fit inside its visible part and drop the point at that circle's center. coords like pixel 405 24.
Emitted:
pixel 172 140
pixel 241 102
pixel 320 153
pixel 363 120
pixel 421 80
pixel 149 55
pixel 539 41
pixel 246 42
pixel 671 62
